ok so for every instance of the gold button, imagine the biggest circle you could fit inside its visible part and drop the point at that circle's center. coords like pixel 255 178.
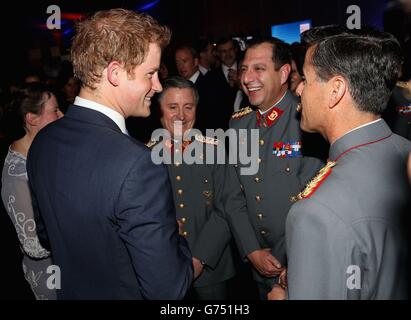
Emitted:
pixel 241 187
pixel 263 232
pixel 261 142
pixel 259 160
pixel 260 215
pixel 257 179
pixel 178 178
pixel 236 166
pixel 288 169
pixel 183 219
pixel 185 233
pixel 205 181
pixel 180 191
pixel 181 205
pixel 177 164
pixel 258 198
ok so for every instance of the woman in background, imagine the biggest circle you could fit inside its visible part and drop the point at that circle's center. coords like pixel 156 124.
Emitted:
pixel 37 107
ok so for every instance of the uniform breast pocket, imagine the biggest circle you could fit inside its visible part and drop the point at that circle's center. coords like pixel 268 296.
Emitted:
pixel 288 166
pixel 285 175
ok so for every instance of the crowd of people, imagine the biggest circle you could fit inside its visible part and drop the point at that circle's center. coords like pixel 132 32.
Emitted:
pixel 324 216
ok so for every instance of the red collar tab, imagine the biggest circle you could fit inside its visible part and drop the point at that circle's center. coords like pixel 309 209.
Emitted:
pixel 269 118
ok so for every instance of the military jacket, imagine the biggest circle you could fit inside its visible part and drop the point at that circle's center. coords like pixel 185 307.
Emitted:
pixel 258 204
pixel 347 236
pixel 197 190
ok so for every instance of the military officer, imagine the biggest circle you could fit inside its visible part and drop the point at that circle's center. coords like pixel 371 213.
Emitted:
pixel 197 190
pixel 259 203
pixel 346 237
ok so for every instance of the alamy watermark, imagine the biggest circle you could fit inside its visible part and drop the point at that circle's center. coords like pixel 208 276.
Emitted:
pixel 354 278
pixel 54 280
pixel 54 20
pixel 354 20
pixel 243 148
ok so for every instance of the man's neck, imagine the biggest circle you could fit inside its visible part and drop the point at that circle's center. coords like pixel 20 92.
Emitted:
pixel 95 96
pixel 275 101
pixel 205 65
pixel 339 128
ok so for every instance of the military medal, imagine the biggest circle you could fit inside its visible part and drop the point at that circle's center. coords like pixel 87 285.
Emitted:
pixel 315 182
pixel 404 109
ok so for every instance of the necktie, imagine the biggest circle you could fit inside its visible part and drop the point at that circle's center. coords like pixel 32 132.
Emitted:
pixel 228 74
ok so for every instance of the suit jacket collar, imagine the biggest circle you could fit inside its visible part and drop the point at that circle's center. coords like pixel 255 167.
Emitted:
pixel 91 116
pixel 362 136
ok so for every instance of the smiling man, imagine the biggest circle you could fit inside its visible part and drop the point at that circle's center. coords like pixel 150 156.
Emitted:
pixel 104 208
pixel 258 224
pixel 347 234
pixel 197 190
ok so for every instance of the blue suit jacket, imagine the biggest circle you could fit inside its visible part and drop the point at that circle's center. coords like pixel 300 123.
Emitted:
pixel 106 211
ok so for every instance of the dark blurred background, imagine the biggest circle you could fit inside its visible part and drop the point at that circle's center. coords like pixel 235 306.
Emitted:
pixel 27 43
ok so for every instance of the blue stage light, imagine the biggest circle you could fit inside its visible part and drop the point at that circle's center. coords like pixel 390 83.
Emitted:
pixel 148 6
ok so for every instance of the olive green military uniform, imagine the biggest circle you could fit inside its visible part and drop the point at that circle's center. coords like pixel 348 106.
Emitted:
pixel 257 205
pixel 197 190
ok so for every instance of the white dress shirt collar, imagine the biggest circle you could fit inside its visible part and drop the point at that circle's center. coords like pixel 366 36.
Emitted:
pixel 202 69
pixel 195 76
pixel 112 114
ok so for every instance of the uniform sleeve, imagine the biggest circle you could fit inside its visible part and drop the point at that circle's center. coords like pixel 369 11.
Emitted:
pixel 215 236
pixel 319 250
pixel 147 225
pixel 235 208
pixel 18 203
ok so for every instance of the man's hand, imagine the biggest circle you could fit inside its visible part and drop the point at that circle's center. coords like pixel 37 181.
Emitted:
pixel 265 263
pixel 198 267
pixel 282 281
pixel 277 293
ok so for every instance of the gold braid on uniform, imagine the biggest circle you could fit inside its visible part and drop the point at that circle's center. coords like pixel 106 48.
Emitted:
pixel 315 182
pixel 241 113
pixel 206 140
pixel 151 143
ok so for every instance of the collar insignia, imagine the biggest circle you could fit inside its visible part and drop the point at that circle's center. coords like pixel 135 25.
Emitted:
pixel 269 118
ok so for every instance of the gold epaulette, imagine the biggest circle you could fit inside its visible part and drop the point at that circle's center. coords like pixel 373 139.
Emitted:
pixel 315 182
pixel 151 143
pixel 207 140
pixel 241 113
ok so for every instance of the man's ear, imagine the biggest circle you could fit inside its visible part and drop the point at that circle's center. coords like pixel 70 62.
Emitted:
pixel 31 119
pixel 338 88
pixel 285 73
pixel 114 71
pixel 196 62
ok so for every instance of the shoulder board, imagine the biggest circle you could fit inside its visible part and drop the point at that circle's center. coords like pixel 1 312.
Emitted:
pixel 151 143
pixel 206 140
pixel 315 183
pixel 241 113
